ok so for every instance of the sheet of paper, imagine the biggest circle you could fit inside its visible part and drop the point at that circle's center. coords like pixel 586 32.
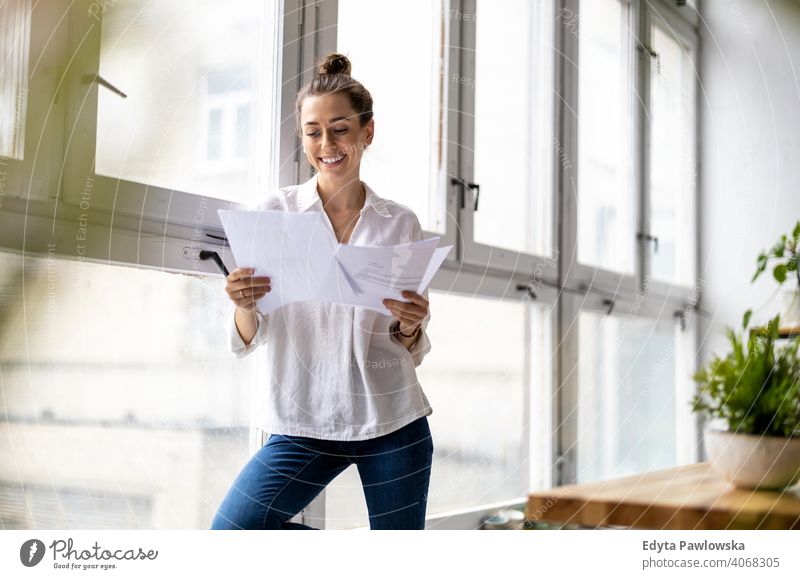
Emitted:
pixel 437 259
pixel 293 249
pixel 299 254
pixel 385 272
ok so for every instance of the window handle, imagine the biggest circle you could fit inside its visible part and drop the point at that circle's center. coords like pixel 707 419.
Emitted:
pixel 473 186
pixel 205 255
pixel 477 191
pixel 642 47
pixel 90 78
pixel 645 49
pixel 648 237
pixel 527 289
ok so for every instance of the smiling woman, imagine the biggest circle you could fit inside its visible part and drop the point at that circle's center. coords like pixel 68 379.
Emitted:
pixel 342 386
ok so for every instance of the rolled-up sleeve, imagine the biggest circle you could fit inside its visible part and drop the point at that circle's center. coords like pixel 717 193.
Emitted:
pixel 237 346
pixel 422 346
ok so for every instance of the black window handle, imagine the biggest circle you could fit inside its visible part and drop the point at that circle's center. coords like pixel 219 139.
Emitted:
pixel 473 186
pixel 477 190
pixel 649 237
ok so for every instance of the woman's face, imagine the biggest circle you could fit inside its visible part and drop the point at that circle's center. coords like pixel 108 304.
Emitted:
pixel 331 132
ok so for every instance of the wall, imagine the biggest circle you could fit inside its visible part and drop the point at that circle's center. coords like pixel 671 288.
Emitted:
pixel 750 154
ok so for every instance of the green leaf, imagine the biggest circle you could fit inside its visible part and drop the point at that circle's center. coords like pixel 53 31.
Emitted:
pixel 796 232
pixel 780 272
pixel 778 248
pixel 761 264
pixel 746 319
pixel 773 326
pixel 754 390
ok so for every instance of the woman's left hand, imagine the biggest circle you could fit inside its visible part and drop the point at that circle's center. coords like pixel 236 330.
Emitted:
pixel 410 314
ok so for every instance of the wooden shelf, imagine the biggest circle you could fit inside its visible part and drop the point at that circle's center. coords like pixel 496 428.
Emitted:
pixel 785 332
pixel 684 497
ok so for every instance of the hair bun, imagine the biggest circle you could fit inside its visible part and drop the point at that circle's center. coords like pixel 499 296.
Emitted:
pixel 335 63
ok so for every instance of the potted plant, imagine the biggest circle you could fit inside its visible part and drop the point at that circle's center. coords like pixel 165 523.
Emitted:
pixel 755 392
pixel 786 265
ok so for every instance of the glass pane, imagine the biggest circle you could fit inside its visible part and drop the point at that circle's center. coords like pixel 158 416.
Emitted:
pixel 606 202
pixel 198 75
pixel 475 381
pixel 15 31
pixel 405 162
pixel 123 408
pixel 627 392
pixel 542 398
pixel 514 142
pixel 214 140
pixel 672 160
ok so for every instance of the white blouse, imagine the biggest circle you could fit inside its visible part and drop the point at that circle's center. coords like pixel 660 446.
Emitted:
pixel 335 371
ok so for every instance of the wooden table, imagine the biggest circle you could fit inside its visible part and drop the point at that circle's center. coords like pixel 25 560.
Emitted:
pixel 684 497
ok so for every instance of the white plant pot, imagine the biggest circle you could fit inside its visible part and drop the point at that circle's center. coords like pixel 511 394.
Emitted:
pixel 752 461
pixel 791 306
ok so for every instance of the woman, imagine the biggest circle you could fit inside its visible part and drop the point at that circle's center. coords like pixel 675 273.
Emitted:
pixel 343 386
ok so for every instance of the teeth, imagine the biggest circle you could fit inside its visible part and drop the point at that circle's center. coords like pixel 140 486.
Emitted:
pixel 331 160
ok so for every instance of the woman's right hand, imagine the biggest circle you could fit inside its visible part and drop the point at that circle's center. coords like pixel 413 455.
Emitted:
pixel 244 289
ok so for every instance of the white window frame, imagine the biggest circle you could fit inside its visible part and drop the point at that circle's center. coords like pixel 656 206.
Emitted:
pixel 597 289
pixel 666 15
pixel 495 259
pixel 128 222
pixel 31 181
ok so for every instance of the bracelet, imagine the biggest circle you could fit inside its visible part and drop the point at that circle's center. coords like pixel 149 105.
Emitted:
pixel 417 331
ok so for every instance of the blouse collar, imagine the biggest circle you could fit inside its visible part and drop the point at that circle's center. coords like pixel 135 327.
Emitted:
pixel 308 196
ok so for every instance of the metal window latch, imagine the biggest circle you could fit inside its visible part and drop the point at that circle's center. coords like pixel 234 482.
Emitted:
pixel 681 316
pixel 654 57
pixel 477 191
pixel 90 78
pixel 206 254
pixel 646 236
pixel 527 289
pixel 642 47
pixel 473 186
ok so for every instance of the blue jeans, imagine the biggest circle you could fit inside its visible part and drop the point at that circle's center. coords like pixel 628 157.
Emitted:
pixel 288 472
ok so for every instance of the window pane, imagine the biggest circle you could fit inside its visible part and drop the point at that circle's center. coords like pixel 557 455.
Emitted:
pixel 214 139
pixel 405 161
pixel 242 130
pixel 474 377
pixel 514 141
pixel 672 160
pixel 627 392
pixel 542 398
pixel 188 67
pixel 123 408
pixel 606 202
pixel 15 30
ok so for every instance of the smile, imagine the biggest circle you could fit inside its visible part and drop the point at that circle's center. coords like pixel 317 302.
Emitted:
pixel 332 161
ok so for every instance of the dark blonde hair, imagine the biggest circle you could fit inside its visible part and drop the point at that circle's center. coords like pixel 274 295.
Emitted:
pixel 332 76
